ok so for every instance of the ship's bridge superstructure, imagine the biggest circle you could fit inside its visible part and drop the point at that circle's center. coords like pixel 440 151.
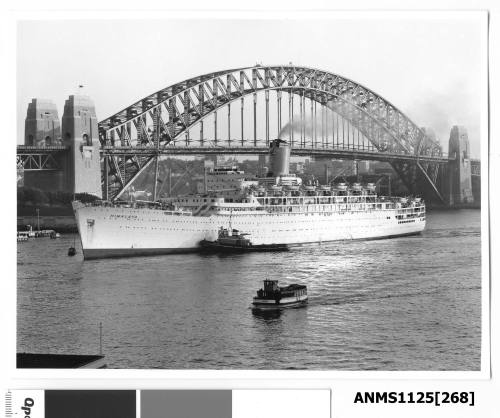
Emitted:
pixel 286 194
pixel 228 190
pixel 224 179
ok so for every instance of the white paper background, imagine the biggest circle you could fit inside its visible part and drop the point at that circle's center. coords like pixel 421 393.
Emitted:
pixel 281 403
pixel 21 398
pixel 344 385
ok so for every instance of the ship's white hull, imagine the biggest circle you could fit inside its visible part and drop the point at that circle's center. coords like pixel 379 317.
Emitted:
pixel 108 231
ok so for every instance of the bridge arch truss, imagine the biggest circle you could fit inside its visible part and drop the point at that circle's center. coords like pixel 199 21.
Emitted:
pixel 244 108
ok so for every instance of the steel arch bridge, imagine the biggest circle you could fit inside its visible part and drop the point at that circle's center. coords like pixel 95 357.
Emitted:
pixel 318 112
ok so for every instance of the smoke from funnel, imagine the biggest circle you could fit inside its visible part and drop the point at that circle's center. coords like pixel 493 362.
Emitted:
pixel 297 127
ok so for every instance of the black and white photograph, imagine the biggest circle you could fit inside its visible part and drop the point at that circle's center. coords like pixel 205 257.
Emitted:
pixel 253 193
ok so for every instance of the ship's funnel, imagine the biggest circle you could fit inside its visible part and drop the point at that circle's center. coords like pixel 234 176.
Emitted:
pixel 279 158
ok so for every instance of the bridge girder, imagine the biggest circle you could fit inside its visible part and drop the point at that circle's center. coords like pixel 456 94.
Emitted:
pixel 173 111
pixel 38 159
pixel 333 153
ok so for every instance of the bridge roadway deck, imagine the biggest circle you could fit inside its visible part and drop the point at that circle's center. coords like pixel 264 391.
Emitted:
pixel 338 153
pixel 33 149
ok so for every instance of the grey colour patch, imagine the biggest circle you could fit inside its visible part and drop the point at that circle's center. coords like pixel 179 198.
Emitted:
pixel 186 403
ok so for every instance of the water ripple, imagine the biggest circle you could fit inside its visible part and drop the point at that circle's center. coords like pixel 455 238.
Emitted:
pixel 396 304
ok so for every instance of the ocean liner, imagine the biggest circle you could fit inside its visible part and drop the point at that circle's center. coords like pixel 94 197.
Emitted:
pixel 274 210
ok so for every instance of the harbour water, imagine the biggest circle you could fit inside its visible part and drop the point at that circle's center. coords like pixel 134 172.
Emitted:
pixel 411 303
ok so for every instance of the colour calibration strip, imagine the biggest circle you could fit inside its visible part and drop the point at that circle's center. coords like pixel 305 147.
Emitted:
pixel 241 403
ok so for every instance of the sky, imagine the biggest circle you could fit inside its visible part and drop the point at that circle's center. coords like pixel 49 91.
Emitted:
pixel 429 66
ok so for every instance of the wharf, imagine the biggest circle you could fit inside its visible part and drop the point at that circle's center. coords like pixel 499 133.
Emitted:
pixel 59 361
pixel 58 222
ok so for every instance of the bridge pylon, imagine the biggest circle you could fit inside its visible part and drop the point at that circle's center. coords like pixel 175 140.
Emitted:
pixel 80 134
pixel 42 126
pixel 42 129
pixel 459 167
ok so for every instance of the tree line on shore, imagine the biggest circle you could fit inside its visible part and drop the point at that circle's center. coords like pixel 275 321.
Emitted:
pixel 30 197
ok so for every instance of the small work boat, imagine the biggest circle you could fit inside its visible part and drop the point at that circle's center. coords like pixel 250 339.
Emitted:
pixel 234 240
pixel 273 296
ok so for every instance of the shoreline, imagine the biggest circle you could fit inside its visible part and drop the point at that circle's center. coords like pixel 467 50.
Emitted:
pixel 59 223
pixel 432 207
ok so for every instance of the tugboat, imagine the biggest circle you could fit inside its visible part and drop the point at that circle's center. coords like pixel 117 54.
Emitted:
pixel 234 240
pixel 273 296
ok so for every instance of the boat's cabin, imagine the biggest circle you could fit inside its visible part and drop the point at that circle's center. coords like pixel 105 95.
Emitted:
pixel 224 232
pixel 270 285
